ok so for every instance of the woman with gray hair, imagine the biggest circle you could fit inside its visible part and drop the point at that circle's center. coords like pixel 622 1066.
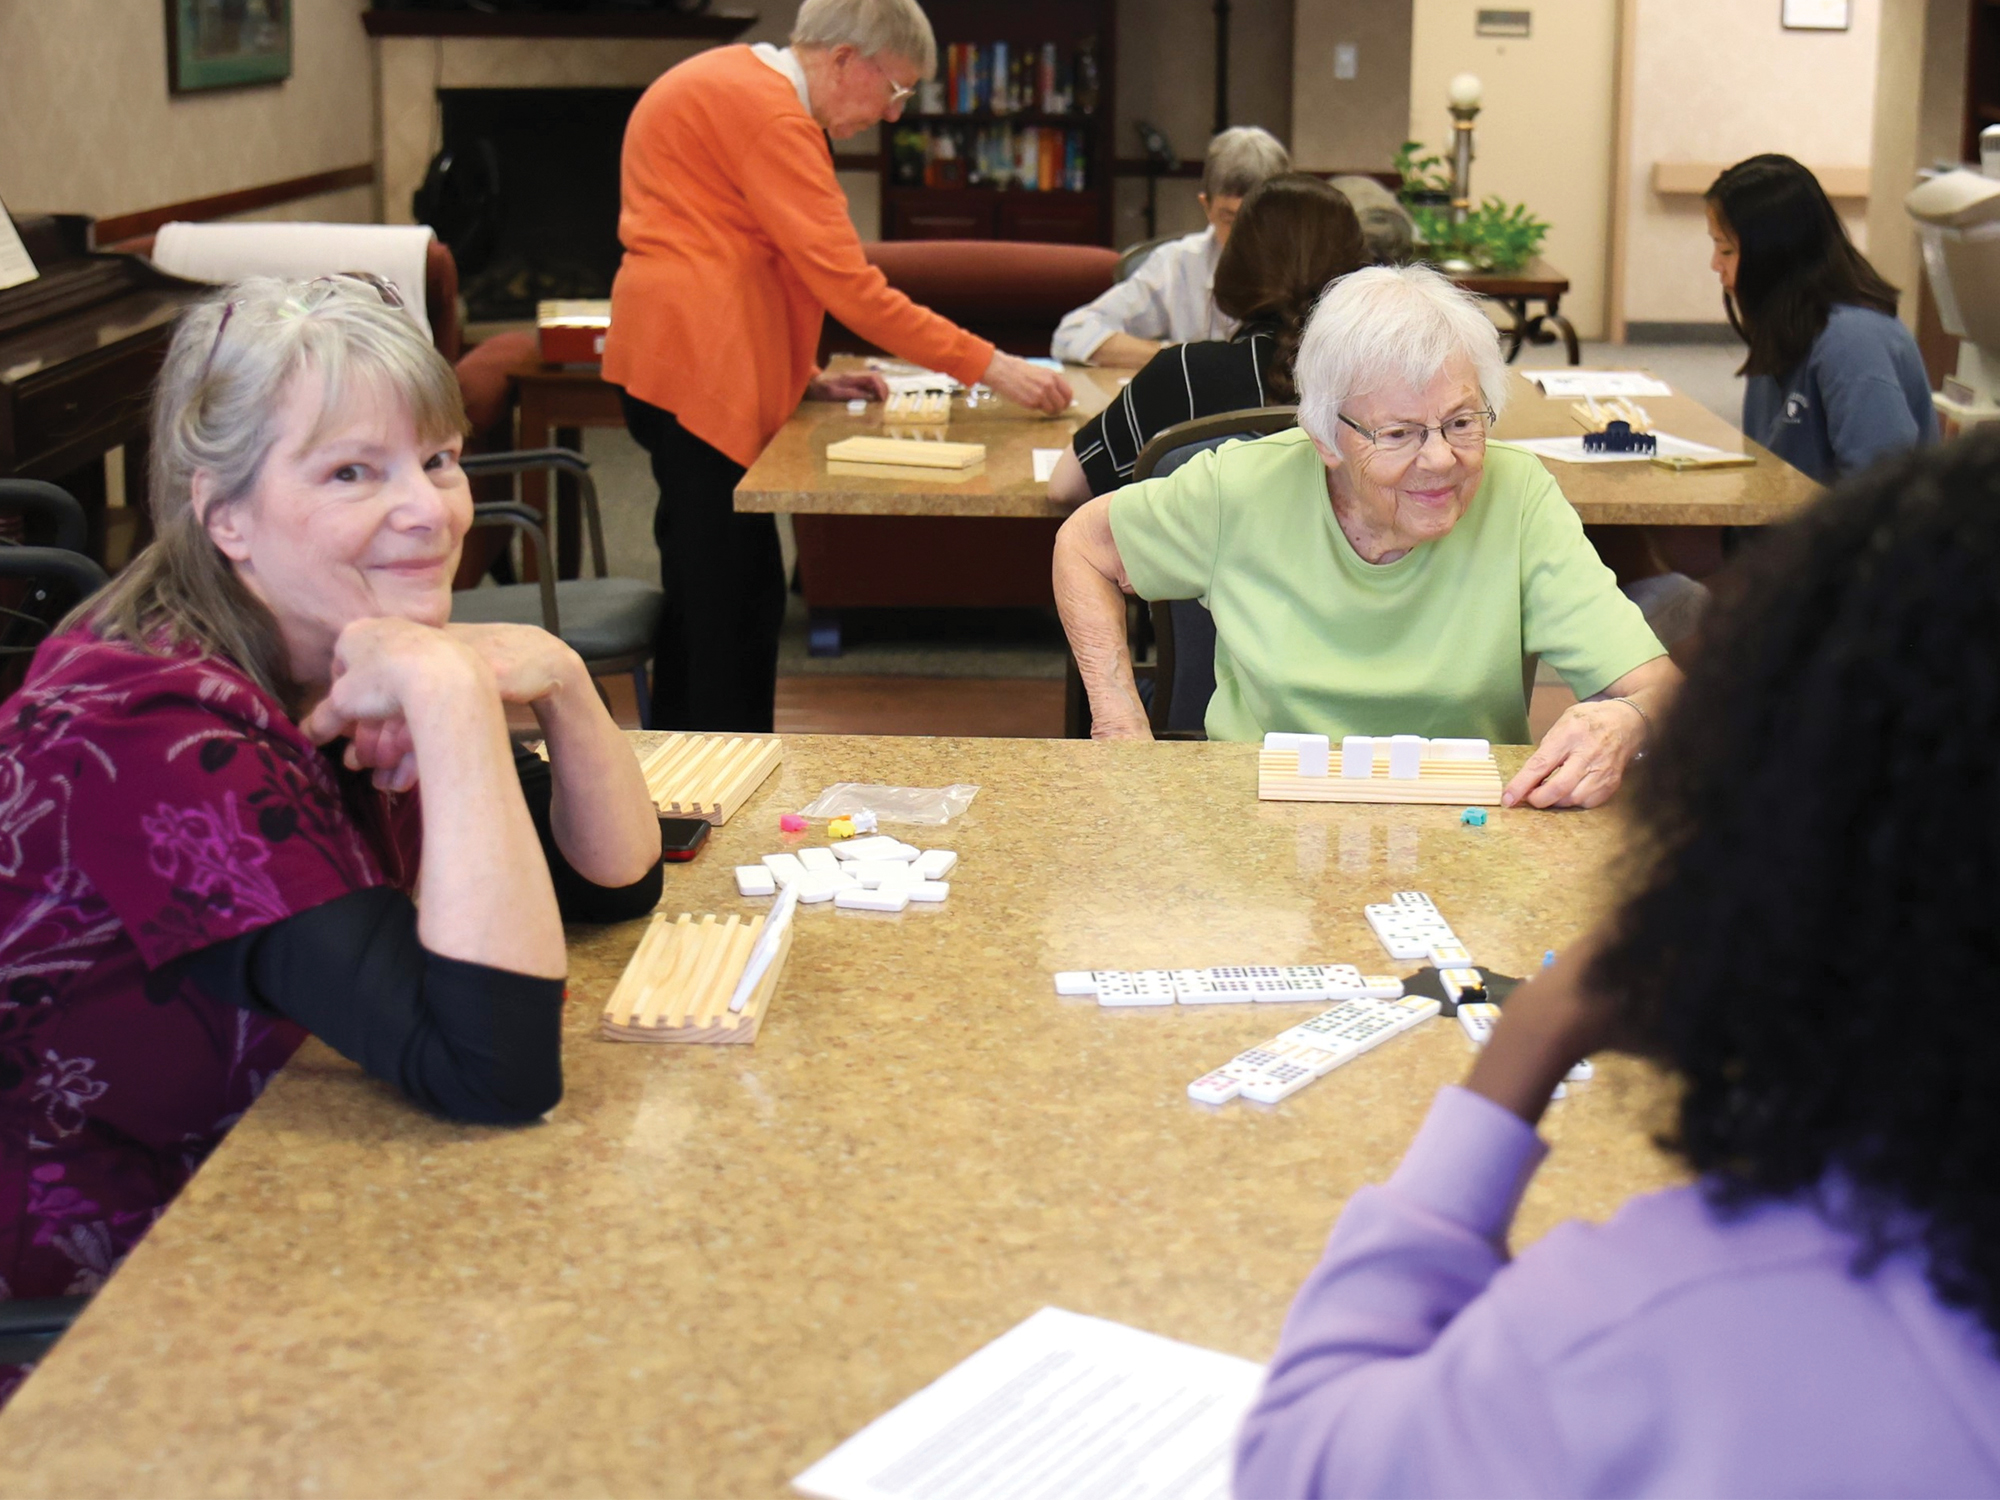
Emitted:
pixel 259 787
pixel 1170 297
pixel 737 243
pixel 1383 569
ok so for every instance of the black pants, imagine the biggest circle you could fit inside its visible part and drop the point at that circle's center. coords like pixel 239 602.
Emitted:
pixel 715 660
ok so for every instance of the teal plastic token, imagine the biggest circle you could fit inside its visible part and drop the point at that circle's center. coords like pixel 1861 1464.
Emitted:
pixel 1473 817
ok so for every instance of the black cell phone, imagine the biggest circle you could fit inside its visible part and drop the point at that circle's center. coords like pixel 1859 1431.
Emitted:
pixel 681 837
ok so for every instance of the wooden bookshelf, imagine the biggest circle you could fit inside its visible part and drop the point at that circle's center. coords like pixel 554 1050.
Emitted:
pixel 979 209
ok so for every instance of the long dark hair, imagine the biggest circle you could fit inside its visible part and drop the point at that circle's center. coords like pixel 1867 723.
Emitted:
pixel 1816 858
pixel 1293 235
pixel 1794 261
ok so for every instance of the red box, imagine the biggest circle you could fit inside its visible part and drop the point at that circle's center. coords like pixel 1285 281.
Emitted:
pixel 572 332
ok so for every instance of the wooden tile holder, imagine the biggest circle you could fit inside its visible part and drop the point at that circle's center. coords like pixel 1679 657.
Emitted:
pixel 677 986
pixel 708 775
pixel 906 453
pixel 1466 783
pixel 918 407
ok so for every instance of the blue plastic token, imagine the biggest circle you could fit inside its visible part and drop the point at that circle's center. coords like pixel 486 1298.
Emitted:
pixel 1473 817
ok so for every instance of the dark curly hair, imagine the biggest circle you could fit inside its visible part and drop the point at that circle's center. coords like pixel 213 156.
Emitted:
pixel 1816 892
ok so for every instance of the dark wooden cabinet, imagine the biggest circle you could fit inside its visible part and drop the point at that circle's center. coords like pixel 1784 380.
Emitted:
pixel 962 201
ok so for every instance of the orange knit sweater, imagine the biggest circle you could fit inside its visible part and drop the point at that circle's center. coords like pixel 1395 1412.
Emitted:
pixel 737 241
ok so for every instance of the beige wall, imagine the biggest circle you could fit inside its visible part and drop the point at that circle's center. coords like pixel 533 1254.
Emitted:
pixel 87 124
pixel 1166 75
pixel 1544 132
pixel 1350 124
pixel 1715 81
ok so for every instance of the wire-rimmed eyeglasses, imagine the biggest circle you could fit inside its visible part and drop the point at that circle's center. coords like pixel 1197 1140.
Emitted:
pixel 1465 431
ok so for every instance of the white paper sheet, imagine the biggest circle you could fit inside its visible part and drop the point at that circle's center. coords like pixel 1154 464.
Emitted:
pixel 1046 460
pixel 16 265
pixel 1574 385
pixel 1060 1405
pixel 1570 450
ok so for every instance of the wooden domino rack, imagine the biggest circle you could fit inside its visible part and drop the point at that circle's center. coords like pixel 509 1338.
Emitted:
pixel 918 406
pixel 936 459
pixel 1467 783
pixel 708 775
pixel 677 986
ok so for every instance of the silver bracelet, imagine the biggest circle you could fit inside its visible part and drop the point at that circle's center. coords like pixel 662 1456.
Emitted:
pixel 1646 718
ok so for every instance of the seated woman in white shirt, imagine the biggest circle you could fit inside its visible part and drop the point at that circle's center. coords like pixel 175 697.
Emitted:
pixel 1170 299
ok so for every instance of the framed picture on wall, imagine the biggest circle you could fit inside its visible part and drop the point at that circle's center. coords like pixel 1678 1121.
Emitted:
pixel 1816 15
pixel 225 44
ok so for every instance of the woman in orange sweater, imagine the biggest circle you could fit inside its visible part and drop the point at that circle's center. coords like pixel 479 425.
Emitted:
pixel 737 242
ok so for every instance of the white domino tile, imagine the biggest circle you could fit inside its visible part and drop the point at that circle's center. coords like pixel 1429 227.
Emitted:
pixel 819 861
pixel 1406 757
pixel 935 864
pixel 1076 982
pixel 815 887
pixel 1381 987
pixel 1477 1021
pixel 1450 954
pixel 930 892
pixel 1218 1087
pixel 1343 981
pixel 784 867
pixel 1145 987
pixel 755 880
pixel 1312 749
pixel 879 846
pixel 1459 982
pixel 858 898
pixel 1357 756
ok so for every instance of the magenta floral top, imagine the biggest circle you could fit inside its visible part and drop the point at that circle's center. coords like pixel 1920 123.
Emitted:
pixel 148 807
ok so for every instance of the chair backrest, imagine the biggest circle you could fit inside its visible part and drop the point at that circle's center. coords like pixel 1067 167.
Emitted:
pixel 1134 256
pixel 1013 292
pixel 40 584
pixel 1183 630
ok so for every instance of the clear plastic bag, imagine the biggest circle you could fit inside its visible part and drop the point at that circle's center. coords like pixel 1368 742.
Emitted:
pixel 892 804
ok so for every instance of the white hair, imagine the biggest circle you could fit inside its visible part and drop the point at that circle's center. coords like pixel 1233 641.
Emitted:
pixel 1241 157
pixel 1387 324
pixel 870 27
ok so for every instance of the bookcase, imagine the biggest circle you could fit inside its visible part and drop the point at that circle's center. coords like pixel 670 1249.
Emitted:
pixel 1014 138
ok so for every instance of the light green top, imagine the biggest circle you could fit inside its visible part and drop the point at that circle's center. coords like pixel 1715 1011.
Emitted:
pixel 1311 639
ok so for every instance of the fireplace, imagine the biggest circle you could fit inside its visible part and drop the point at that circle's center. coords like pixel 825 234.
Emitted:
pixel 535 201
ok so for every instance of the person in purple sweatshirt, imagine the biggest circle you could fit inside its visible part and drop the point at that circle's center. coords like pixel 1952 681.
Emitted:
pixel 1807 947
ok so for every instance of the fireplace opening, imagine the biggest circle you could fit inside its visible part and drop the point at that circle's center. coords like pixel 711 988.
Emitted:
pixel 551 227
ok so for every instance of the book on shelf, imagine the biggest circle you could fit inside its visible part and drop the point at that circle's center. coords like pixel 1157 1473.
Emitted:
pixel 1000 78
pixel 1031 158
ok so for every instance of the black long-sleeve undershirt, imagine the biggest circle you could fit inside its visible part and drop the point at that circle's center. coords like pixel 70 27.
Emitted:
pixel 467 1040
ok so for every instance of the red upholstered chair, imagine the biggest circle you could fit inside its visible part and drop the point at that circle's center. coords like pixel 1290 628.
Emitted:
pixel 1013 293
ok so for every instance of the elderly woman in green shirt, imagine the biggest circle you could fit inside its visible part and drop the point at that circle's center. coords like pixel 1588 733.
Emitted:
pixel 1382 569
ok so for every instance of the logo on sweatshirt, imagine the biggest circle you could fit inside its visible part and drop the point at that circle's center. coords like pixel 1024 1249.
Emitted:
pixel 1796 406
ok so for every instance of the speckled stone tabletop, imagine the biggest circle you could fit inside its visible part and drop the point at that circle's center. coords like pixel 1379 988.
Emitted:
pixel 711 1264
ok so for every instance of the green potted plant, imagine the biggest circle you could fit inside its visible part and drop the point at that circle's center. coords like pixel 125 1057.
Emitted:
pixel 1495 236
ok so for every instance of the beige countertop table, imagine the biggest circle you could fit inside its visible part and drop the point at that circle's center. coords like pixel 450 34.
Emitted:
pixel 711 1264
pixel 791 474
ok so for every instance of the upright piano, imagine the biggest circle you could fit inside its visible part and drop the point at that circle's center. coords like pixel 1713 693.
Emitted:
pixel 79 346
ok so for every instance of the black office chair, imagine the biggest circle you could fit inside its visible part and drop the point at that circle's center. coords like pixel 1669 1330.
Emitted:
pixel 46 560
pixel 1181 677
pixel 607 621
